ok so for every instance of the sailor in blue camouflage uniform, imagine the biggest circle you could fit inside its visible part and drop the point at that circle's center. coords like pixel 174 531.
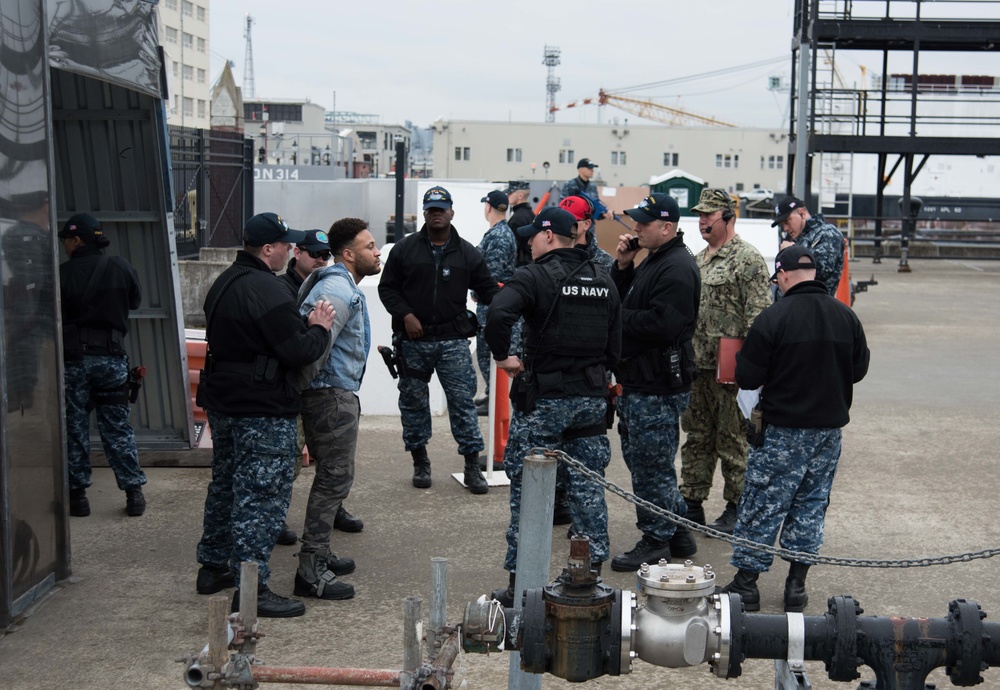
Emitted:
pixel 249 388
pixel 659 313
pixel 97 292
pixel 424 288
pixel 807 351
pixel 572 338
pixel 824 242
pixel 499 250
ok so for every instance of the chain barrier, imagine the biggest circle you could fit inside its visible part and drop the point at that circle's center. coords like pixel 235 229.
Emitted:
pixel 798 556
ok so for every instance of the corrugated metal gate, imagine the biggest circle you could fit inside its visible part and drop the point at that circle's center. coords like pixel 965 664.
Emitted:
pixel 213 187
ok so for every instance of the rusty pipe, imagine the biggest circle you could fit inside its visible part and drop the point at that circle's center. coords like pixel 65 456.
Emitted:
pixel 319 675
pixel 440 672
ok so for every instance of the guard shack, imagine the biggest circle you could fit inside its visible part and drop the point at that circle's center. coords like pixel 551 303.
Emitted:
pixel 684 187
pixel 83 129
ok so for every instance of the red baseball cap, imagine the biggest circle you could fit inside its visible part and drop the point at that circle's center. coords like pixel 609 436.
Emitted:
pixel 578 206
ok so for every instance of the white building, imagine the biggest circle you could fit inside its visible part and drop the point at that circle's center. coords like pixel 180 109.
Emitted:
pixel 628 155
pixel 184 34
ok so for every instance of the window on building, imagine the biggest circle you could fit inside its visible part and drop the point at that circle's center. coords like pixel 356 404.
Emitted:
pixel 201 108
pixel 177 69
pixel 276 112
pixel 170 4
pixel 201 13
pixel 670 160
pixel 774 162
pixel 739 186
pixel 567 155
pixel 466 154
pixel 727 160
pixel 201 76
pixel 189 107
pixel 171 34
pixel 202 46
pixel 617 158
pixel 513 155
pixel 187 8
pixel 188 72
pixel 177 104
pixel 188 40
pixel 458 153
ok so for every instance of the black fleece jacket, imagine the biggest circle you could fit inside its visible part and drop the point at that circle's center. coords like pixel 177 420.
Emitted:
pixel 807 350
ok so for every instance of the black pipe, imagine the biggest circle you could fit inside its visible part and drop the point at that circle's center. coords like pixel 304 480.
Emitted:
pixel 400 170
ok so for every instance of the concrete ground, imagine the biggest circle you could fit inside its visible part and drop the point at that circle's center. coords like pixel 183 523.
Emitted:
pixel 918 477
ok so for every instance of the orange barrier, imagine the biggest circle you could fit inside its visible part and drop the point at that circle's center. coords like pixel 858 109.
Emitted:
pixel 844 287
pixel 501 414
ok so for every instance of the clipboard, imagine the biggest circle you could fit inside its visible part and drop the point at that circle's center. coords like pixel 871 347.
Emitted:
pixel 725 368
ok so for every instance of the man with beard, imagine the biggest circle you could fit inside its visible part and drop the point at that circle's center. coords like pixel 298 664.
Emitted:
pixel 330 407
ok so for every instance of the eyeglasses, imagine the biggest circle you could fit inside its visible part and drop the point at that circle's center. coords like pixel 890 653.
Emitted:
pixel 321 255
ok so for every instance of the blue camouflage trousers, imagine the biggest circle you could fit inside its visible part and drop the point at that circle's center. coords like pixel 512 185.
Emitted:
pixel 483 355
pixel 253 463
pixel 544 428
pixel 117 437
pixel 649 432
pixel 788 479
pixel 452 361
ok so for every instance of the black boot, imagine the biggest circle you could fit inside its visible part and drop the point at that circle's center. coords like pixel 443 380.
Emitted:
pixel 212 580
pixel 346 522
pixel 135 502
pixel 421 468
pixel 796 597
pixel 682 544
pixel 474 479
pixel 726 522
pixel 744 584
pixel 561 515
pixel 271 605
pixel 505 595
pixel 287 536
pixel 79 504
pixel 646 550
pixel 696 512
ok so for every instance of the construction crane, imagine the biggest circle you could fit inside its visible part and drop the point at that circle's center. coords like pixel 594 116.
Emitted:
pixel 649 109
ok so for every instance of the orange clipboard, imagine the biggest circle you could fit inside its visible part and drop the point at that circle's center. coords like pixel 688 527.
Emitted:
pixel 725 370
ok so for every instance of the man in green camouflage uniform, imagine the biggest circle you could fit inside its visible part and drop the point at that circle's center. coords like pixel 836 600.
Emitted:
pixel 734 289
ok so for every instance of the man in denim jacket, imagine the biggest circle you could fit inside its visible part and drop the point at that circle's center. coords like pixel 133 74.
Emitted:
pixel 330 407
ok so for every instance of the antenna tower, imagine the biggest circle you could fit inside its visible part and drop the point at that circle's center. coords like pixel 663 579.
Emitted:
pixel 248 87
pixel 552 85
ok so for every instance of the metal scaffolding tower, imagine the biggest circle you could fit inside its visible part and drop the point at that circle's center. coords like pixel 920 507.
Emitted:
pixel 552 85
pixel 248 88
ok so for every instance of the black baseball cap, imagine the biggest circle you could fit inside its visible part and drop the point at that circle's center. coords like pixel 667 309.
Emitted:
pixel 656 206
pixel 79 225
pixel 793 258
pixel 497 200
pixel 437 197
pixel 784 208
pixel 268 228
pixel 315 241
pixel 553 218
pixel 586 163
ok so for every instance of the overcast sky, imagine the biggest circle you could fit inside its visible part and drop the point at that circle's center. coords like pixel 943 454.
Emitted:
pixel 467 59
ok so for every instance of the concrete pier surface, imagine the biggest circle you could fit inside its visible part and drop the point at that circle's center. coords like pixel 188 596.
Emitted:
pixel 919 476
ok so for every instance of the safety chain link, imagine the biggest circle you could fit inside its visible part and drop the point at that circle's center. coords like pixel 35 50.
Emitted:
pixel 773 550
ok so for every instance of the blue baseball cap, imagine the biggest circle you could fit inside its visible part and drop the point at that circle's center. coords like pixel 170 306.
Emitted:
pixel 437 197
pixel 656 206
pixel 315 241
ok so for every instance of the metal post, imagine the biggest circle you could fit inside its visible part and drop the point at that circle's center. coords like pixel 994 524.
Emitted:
pixel 400 165
pixel 534 547
pixel 218 644
pixel 411 640
pixel 802 136
pixel 439 603
pixel 248 605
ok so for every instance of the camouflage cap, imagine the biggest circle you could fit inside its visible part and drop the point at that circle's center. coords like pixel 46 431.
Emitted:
pixel 714 200
pixel 515 185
